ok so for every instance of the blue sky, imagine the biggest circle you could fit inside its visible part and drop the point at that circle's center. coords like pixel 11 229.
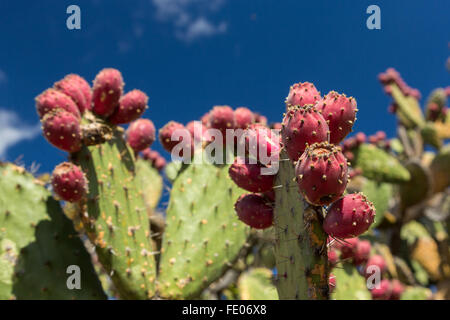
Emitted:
pixel 189 55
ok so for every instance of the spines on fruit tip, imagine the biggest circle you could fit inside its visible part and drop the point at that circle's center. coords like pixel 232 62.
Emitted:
pixel 301 94
pixel 77 88
pixel 248 176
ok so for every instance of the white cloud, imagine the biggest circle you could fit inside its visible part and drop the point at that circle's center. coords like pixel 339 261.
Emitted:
pixel 189 17
pixel 13 130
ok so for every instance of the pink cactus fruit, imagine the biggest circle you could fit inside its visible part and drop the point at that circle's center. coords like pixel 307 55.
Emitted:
pixel 362 252
pixel 397 290
pixel 248 176
pixel 131 106
pixel 302 126
pixel 108 87
pixel 269 195
pixel 259 118
pixel 261 142
pixel 360 138
pixel 62 130
pixel 340 114
pixel 140 134
pixel 78 89
pixel 253 210
pixel 52 99
pixel 332 257
pixel 349 217
pixel 155 159
pixel 243 117
pixel 222 118
pixel 166 132
pixel 383 291
pixel 202 134
pixel 301 94
pixel 375 261
pixel 276 126
pixel 348 248
pixel 391 76
pixel 69 182
pixel 331 283
pixel 205 119
pixel 322 174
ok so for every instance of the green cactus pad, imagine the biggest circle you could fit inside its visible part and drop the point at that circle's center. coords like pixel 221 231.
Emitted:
pixel 379 194
pixel 350 285
pixel 300 247
pixel 151 183
pixel 418 188
pixel 430 135
pixel 203 235
pixel 408 111
pixel 256 284
pixel 378 165
pixel 173 169
pixel 416 293
pixel 38 243
pixel 115 217
pixel 440 169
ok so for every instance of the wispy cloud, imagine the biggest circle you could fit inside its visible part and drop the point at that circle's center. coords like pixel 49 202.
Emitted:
pixel 13 130
pixel 190 17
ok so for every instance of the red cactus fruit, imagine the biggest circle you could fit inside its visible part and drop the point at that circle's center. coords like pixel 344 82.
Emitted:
pixel 340 114
pixel 108 87
pixel 349 217
pixel 78 89
pixel 202 135
pixel 131 106
pixel 222 118
pixel 332 257
pixel 155 159
pixel 140 134
pixel 243 117
pixel 276 126
pixel 302 126
pixel 69 182
pixel 165 135
pixel 52 99
pixel 377 261
pixel 84 86
pixel 205 119
pixel 362 252
pixel 269 195
pixel 259 118
pixel 383 292
pixel 392 76
pixel 348 248
pixel 331 283
pixel 301 94
pixel 248 176
pixel 397 290
pixel 360 138
pixel 259 138
pixel 62 130
pixel 322 173
pixel 253 210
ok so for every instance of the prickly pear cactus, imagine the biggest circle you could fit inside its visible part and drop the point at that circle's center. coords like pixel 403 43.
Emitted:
pixel 256 284
pixel 115 217
pixel 300 246
pixel 377 164
pixel 203 236
pixel 38 243
pixel 350 285
pixel 151 183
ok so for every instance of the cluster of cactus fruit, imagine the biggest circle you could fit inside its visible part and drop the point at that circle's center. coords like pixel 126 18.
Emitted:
pixel 287 213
